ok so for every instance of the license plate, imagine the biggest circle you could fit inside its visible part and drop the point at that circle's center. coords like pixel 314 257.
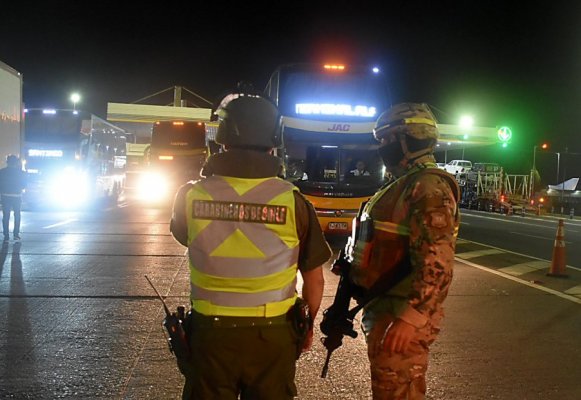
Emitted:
pixel 334 226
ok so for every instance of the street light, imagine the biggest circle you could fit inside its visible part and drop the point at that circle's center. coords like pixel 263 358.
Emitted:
pixel 75 98
pixel 533 172
pixel 466 122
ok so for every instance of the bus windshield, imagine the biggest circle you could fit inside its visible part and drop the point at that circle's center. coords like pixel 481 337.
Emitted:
pixel 51 126
pixel 342 167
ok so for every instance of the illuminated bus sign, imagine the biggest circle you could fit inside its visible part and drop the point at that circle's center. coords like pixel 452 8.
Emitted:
pixel 45 153
pixel 335 109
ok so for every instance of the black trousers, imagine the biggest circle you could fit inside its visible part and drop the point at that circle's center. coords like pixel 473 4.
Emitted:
pixel 240 358
pixel 11 203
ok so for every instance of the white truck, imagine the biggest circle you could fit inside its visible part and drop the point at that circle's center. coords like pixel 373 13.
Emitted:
pixel 456 167
pixel 11 111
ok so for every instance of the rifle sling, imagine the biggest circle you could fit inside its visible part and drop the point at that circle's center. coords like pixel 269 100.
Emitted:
pixel 382 285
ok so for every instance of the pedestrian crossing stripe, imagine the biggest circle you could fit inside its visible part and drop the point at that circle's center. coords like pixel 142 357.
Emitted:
pixel 525 268
pixel 575 290
pixel 478 253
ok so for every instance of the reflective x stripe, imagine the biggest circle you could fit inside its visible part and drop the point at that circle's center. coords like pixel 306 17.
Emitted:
pixel 275 250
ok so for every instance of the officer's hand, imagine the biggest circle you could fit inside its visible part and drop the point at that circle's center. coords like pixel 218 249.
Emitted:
pixel 397 336
pixel 308 341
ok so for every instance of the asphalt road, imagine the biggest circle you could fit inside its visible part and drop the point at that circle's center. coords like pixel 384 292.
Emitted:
pixel 79 320
pixel 530 235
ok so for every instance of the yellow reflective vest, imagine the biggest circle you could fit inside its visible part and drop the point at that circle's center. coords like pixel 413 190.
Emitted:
pixel 243 246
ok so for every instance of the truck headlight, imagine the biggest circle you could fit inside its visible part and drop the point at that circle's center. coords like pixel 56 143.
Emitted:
pixel 153 187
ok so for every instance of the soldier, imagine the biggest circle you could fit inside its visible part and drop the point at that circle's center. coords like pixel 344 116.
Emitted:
pixel 407 229
pixel 247 233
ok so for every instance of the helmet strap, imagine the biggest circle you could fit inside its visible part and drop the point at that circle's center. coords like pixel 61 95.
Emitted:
pixel 410 157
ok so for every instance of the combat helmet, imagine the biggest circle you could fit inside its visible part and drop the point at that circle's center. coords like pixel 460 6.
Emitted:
pixel 407 131
pixel 249 121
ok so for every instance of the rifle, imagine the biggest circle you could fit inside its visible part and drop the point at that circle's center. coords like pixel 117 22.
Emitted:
pixel 173 323
pixel 338 318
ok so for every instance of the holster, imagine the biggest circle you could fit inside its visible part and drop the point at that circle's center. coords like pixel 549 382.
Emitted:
pixel 301 322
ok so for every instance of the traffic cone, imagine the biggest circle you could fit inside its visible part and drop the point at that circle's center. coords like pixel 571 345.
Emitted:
pixel 558 262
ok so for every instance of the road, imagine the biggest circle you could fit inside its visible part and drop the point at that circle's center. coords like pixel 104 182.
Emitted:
pixel 79 320
pixel 530 235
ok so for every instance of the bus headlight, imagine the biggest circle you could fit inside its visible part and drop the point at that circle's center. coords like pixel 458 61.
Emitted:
pixel 69 188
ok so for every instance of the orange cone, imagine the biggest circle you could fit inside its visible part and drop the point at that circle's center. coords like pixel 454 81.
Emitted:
pixel 558 262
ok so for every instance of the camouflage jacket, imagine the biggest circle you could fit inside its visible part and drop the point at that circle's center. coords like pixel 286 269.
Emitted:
pixel 423 204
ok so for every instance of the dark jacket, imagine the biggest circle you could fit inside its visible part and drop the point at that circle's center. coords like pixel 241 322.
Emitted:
pixel 12 181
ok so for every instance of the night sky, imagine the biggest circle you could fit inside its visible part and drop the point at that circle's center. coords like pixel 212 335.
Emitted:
pixel 503 62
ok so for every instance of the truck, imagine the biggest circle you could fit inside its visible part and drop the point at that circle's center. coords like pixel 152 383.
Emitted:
pixel 487 187
pixel 176 154
pixel 11 110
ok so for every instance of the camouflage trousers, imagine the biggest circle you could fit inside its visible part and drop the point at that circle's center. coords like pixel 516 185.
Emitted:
pixel 398 376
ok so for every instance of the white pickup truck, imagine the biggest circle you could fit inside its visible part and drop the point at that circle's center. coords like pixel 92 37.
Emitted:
pixel 458 166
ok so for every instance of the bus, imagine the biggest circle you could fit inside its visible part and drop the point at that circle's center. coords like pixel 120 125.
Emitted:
pixel 177 152
pixel 328 113
pixel 72 159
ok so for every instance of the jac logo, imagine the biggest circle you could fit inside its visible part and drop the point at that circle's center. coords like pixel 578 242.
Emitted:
pixel 340 128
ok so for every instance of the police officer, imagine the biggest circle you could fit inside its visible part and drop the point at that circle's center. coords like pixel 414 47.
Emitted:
pixel 12 184
pixel 247 233
pixel 405 243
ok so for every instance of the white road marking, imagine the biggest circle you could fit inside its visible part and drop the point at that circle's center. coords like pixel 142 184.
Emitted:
pixel 507 251
pixel 479 253
pixel 513 221
pixel 68 221
pixel 525 268
pixel 537 237
pixel 518 280
pixel 574 291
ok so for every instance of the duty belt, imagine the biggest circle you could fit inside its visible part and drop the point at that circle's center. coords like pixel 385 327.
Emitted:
pixel 200 320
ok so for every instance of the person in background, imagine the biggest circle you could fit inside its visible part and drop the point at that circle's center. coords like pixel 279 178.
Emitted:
pixel 360 169
pixel 248 233
pixel 12 185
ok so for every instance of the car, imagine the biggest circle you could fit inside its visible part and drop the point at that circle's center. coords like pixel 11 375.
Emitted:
pixel 441 165
pixel 456 167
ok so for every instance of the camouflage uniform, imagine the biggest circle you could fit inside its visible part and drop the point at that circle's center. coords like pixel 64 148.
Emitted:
pixel 421 207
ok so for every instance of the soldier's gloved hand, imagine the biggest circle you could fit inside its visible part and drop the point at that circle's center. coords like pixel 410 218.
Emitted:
pixel 397 336
pixel 308 341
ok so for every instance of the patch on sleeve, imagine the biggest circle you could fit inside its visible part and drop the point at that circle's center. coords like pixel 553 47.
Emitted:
pixel 438 220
